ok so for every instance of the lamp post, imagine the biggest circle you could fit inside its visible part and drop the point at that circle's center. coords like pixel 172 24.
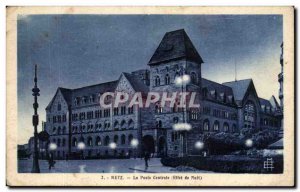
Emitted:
pixel 35 122
pixel 134 143
pixel 182 80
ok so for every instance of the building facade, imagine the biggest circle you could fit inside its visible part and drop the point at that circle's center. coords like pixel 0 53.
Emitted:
pixel 75 116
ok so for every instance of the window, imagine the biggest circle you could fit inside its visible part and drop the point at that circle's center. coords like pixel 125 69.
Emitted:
pixel 123 124
pixel 204 92
pixel 249 114
pixel 194 78
pixel 123 110
pixel 130 137
pixel 106 141
pixel 58 107
pixel 158 124
pixel 116 139
pixel 194 114
pixel 157 81
pixel 130 110
pixel 234 128
pixel 226 127
pixel 174 136
pixel 106 112
pixel 58 142
pixel 123 139
pixel 106 125
pixel 167 79
pixel 206 125
pixel 64 118
pixel 116 125
pixel 158 108
pixel 63 142
pixel 206 110
pixel 64 130
pixel 175 120
pixel 130 124
pixel 54 130
pixel 116 111
pixel 90 141
pixel 216 126
pixel 74 142
pixel 98 141
pixel 58 130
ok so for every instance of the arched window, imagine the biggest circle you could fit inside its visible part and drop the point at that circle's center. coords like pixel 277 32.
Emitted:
pixel 194 78
pixel 106 125
pixel 116 139
pixel 123 139
pixel 206 125
pixel 216 126
pixel 130 124
pixel 226 127
pixel 106 141
pixel 167 79
pixel 64 130
pixel 90 141
pixel 58 107
pixel 249 114
pixel 58 142
pixel 130 137
pixel 158 124
pixel 63 142
pixel 74 142
pixel 157 81
pixel 116 125
pixel 98 141
pixel 123 124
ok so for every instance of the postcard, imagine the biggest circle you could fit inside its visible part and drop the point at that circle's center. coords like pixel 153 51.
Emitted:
pixel 150 96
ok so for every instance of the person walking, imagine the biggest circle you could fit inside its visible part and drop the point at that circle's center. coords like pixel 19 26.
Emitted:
pixel 146 158
pixel 51 161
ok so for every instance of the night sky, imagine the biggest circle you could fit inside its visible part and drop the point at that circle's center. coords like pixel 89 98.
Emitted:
pixel 72 51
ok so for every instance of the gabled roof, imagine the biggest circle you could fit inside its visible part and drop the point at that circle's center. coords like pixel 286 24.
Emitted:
pixel 94 89
pixel 239 88
pixel 274 102
pixel 67 94
pixel 211 85
pixel 265 102
pixel 175 45
pixel 136 83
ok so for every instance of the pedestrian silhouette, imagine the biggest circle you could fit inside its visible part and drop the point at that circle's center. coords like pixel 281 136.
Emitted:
pixel 146 158
pixel 51 161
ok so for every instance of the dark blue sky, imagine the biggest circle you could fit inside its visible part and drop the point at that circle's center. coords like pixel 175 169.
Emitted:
pixel 77 50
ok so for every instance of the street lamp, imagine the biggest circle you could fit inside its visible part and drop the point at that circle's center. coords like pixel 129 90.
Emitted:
pixel 134 143
pixel 182 80
pixel 81 147
pixel 35 122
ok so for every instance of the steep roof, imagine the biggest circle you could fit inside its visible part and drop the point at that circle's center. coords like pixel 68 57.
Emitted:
pixel 67 94
pixel 274 102
pixel 265 102
pixel 239 87
pixel 136 83
pixel 175 45
pixel 94 89
pixel 211 85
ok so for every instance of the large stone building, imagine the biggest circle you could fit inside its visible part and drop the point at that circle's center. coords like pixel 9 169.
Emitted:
pixel 75 115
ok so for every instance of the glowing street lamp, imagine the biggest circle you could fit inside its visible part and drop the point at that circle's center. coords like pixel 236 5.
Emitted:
pixel 81 145
pixel 52 146
pixel 112 145
pixel 134 143
pixel 249 143
pixel 199 145
pixel 182 127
